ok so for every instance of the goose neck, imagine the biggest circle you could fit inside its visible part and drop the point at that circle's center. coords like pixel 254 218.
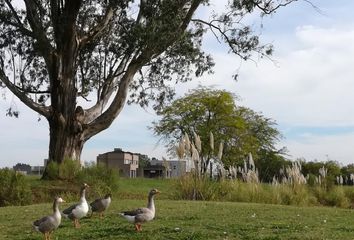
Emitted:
pixel 82 195
pixel 151 203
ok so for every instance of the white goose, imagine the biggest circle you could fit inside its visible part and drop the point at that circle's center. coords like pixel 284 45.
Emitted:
pixel 48 224
pixel 79 210
pixel 141 215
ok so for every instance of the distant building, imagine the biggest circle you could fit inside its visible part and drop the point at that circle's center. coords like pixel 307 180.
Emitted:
pixel 22 168
pixel 126 163
pixel 177 168
pixel 154 171
pixel 165 169
pixel 27 169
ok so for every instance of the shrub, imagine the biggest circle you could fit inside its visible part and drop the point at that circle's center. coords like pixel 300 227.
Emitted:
pixel 336 197
pixel 349 193
pixel 101 179
pixel 69 169
pixel 290 195
pixel 193 187
pixel 52 170
pixel 14 190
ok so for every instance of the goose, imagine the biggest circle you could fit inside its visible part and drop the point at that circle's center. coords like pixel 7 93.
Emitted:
pixel 141 215
pixel 48 224
pixel 101 204
pixel 79 210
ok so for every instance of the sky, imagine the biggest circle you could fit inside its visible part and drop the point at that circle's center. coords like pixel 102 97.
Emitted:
pixel 307 88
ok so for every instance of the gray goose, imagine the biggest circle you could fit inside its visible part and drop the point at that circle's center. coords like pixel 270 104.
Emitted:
pixel 141 215
pixel 79 210
pixel 100 205
pixel 48 224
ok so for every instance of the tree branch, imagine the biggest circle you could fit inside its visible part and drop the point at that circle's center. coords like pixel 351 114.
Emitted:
pixel 43 110
pixel 266 8
pixel 106 92
pixel 105 119
pixel 194 5
pixel 227 39
pixel 97 30
pixel 31 91
pixel 19 24
pixel 44 45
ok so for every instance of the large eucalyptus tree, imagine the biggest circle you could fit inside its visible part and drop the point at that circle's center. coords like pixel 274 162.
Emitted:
pixel 55 52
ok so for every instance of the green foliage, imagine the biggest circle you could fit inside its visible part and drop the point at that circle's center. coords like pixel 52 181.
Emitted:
pixel 335 196
pixel 312 167
pixel 52 170
pixel 189 188
pixel 192 187
pixel 269 164
pixel 69 169
pixel 206 110
pixel 14 190
pixel 101 179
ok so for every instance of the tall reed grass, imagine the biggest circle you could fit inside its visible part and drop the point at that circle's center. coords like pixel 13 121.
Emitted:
pixel 291 189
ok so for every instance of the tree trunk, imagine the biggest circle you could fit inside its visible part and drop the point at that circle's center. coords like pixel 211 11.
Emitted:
pixel 65 142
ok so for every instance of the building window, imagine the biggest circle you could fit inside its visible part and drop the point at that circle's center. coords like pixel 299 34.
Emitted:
pixel 132 173
pixel 128 161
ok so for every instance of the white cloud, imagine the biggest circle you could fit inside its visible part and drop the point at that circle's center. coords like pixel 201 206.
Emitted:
pixel 309 86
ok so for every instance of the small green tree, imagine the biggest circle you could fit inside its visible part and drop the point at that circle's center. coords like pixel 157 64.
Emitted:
pixel 269 165
pixel 206 110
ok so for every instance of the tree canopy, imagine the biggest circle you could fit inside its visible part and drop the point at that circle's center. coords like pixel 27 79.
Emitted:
pixel 206 110
pixel 56 53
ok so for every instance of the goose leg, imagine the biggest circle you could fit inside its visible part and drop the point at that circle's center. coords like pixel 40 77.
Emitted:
pixel 137 227
pixel 76 223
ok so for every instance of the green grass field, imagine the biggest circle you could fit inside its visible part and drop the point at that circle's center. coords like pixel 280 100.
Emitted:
pixel 191 220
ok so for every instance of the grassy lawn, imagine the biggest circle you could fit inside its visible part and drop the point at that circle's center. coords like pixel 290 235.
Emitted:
pixel 191 220
pixel 177 220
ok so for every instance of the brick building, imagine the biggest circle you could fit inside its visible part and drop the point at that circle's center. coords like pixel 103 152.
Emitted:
pixel 126 163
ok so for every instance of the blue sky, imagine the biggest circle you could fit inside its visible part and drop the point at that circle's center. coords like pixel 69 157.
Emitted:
pixel 307 90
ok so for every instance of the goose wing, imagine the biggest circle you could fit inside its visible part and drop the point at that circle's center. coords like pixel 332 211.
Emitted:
pixel 45 224
pixel 134 212
pixel 70 209
pixel 97 205
pixel 40 221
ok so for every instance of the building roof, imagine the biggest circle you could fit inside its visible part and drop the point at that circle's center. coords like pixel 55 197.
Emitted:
pixel 119 150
